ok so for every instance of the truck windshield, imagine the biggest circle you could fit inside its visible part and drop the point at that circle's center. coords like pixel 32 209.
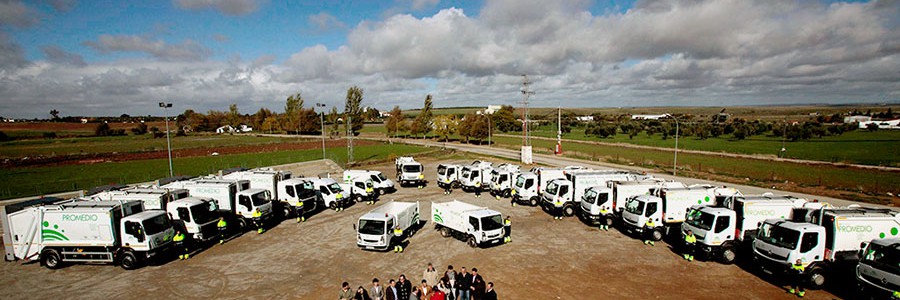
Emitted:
pixel 374 227
pixel 381 177
pixel 520 181
pixel 412 168
pixel 156 224
pixel 442 170
pixel 589 196
pixel 552 187
pixel 203 213
pixel 334 188
pixel 779 236
pixel 465 173
pixel 491 223
pixel 882 257
pixel 259 199
pixel 699 219
pixel 634 206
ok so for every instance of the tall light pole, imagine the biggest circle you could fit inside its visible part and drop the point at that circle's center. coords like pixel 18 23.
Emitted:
pixel 165 106
pixel 675 162
pixel 322 105
pixel 489 129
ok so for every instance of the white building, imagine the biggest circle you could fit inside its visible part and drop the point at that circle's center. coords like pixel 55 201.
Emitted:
pixel 647 117
pixel 585 118
pixel 857 119
pixel 888 124
pixel 491 109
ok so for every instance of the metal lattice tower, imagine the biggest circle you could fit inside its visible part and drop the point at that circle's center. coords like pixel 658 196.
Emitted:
pixel 525 92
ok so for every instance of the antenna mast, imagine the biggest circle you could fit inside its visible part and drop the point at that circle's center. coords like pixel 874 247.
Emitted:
pixel 525 93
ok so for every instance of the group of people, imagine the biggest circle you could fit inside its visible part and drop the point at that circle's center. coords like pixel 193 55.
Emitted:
pixel 447 285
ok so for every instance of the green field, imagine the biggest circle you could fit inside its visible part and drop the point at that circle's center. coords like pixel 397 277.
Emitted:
pixel 122 144
pixel 753 171
pixel 28 181
pixel 860 147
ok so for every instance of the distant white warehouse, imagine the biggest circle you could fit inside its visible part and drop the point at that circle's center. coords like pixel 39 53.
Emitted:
pixel 888 124
pixel 647 117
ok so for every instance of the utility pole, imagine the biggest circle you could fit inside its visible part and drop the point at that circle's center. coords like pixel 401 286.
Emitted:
pixel 558 130
pixel 349 140
pixel 525 93
pixel 165 106
pixel 322 105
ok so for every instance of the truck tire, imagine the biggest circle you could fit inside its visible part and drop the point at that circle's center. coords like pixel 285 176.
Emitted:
pixel 357 198
pixel 507 194
pixel 128 261
pixel 728 255
pixel 533 201
pixel 568 210
pixel 608 221
pixel 454 185
pixel 445 232
pixel 287 212
pixel 242 225
pixel 657 234
pixel 333 205
pixel 50 258
pixel 817 278
pixel 471 242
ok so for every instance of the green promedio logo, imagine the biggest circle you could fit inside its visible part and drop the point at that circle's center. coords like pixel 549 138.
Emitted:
pixel 50 234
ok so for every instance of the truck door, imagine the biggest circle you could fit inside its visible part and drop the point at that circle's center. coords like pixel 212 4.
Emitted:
pixel 564 193
pixel 722 225
pixel 473 225
pixel 183 214
pixel 528 184
pixel 289 190
pixel 476 176
pixel 134 234
pixel 652 208
pixel 810 247
pixel 244 204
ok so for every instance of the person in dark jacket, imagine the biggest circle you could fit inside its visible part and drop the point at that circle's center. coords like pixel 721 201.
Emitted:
pixel 478 285
pixel 390 293
pixel 490 294
pixel 404 287
pixel 464 284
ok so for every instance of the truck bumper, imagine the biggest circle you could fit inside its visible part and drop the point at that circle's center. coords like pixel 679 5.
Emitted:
pixel 769 265
pixel 587 217
pixel 373 247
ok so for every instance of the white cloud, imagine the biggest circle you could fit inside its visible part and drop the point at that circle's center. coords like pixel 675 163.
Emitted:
pixel 17 14
pixel 55 54
pixel 668 52
pixel 187 50
pixel 228 7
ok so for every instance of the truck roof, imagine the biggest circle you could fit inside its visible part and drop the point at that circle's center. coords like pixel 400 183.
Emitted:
pixel 31 203
pixel 861 212
pixel 798 226
pixel 460 206
pixel 191 201
pixel 382 212
pixel 145 215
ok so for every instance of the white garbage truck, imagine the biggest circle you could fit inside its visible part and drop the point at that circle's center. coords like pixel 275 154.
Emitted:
pixel 878 271
pixel 329 193
pixel 286 190
pixel 724 232
pixel 409 172
pixel 478 172
pixel 502 178
pixel 383 185
pixel 667 211
pixel 194 216
pixel 77 231
pixel 827 243
pixel 235 199
pixel 448 175
pixel 529 185
pixel 562 196
pixel 478 226
pixel 605 204
pixel 375 230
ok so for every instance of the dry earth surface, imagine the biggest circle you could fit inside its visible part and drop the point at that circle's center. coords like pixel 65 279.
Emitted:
pixel 547 259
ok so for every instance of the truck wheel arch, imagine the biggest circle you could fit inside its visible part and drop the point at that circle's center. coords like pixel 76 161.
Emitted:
pixel 817 277
pixel 569 209
pixel 728 253
pixel 472 242
pixel 128 260
pixel 533 201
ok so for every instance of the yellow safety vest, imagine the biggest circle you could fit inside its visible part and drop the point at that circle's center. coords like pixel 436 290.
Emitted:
pixel 222 223
pixel 507 222
pixel 299 203
pixel 799 268
pixel 257 214
pixel 369 190
pixel 178 237
pixel 398 232
pixel 512 192
pixel 339 196
pixel 690 239
pixel 650 224
pixel 421 176
pixel 478 184
pixel 603 210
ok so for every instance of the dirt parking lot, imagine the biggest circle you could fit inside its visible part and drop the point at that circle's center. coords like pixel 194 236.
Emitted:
pixel 547 259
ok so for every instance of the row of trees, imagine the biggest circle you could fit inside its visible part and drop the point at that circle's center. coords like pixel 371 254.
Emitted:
pixel 738 128
pixel 470 126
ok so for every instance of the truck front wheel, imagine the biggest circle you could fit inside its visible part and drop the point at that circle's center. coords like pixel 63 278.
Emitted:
pixel 471 242
pixel 657 234
pixel 287 212
pixel 533 201
pixel 445 232
pixel 817 278
pixel 608 221
pixel 50 259
pixel 728 254
pixel 454 185
pixel 568 210
pixel 128 261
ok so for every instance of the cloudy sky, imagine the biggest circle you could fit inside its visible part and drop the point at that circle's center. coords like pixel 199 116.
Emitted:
pixel 115 57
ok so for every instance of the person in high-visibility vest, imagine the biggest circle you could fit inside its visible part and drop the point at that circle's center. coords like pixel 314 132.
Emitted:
pixel 257 220
pixel 603 218
pixel 398 233
pixel 448 187
pixel 649 227
pixel 371 195
pixel 512 197
pixel 895 295
pixel 796 278
pixel 338 202
pixel 690 242
pixel 222 226
pixel 507 230
pixel 178 239
pixel 477 189
pixel 301 217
